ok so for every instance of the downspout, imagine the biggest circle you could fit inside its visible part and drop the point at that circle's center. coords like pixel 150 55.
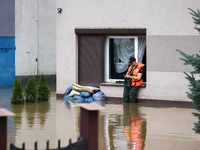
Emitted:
pixel 37 50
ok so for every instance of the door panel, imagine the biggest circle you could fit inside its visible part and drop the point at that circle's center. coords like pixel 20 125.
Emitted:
pixel 7 61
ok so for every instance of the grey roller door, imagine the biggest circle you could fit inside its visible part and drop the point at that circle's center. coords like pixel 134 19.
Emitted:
pixel 90 60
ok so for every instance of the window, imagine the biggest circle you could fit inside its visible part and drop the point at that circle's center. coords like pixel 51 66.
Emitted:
pixel 96 54
pixel 118 50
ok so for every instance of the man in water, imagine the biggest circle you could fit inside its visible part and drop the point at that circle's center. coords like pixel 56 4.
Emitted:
pixel 133 79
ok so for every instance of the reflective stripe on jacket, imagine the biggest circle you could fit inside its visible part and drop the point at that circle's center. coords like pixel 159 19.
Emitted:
pixel 135 73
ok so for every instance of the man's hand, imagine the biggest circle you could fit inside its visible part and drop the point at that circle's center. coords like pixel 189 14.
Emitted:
pixel 127 76
pixel 134 77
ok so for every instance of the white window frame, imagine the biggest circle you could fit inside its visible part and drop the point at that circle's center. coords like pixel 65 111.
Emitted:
pixel 107 56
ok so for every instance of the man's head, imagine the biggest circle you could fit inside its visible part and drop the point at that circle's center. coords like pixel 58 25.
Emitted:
pixel 132 61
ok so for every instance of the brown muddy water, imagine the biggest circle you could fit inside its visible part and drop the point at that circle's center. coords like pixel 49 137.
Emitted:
pixel 121 126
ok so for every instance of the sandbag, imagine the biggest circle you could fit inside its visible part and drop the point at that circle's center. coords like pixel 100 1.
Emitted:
pixel 68 90
pixel 78 99
pixel 97 99
pixel 68 98
pixel 80 88
pixel 85 94
pixel 90 99
pixel 99 96
pixel 74 93
pixel 75 88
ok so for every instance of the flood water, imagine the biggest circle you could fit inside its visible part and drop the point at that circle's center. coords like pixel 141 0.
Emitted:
pixel 121 126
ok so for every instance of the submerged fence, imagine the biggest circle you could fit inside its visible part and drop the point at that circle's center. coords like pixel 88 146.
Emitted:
pixel 79 145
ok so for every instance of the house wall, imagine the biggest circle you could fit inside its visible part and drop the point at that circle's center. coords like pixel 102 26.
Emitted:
pixel 35 37
pixel 169 27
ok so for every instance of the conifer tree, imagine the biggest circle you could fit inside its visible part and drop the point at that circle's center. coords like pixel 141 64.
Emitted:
pixel 30 91
pixel 43 91
pixel 17 96
pixel 194 60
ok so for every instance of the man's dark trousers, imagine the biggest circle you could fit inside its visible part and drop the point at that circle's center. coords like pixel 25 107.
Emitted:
pixel 130 94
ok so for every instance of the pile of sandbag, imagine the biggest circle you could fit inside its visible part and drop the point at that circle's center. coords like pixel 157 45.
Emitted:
pixel 80 93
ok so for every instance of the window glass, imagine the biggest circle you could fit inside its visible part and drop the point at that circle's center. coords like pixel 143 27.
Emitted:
pixel 118 50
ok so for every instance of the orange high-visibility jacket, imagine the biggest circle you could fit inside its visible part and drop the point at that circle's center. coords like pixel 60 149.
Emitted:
pixel 135 73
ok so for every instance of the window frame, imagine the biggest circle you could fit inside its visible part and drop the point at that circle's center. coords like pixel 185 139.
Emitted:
pixel 107 55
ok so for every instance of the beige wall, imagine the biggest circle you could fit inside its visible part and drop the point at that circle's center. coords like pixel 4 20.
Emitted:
pixel 169 27
pixel 162 55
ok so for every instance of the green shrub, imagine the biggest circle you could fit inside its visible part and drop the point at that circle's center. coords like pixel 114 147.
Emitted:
pixel 43 91
pixel 17 96
pixel 30 91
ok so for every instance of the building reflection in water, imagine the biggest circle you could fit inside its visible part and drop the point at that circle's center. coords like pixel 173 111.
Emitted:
pixel 127 130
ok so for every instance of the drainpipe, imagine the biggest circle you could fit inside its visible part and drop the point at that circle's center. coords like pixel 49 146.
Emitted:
pixel 37 50
pixel 36 66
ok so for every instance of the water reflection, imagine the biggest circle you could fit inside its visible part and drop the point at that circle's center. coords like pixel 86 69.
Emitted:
pixel 125 130
pixel 17 109
pixel 134 125
pixel 31 111
pixel 42 111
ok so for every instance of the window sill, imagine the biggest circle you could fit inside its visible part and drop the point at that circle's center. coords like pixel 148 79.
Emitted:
pixel 119 84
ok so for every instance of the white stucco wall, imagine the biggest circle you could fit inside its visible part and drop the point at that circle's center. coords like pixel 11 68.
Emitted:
pixel 161 18
pixel 35 32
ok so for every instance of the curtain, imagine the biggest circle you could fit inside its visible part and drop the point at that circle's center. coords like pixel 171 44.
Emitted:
pixel 141 48
pixel 124 48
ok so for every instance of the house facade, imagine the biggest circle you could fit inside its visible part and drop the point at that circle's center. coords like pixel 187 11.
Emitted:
pixel 94 40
